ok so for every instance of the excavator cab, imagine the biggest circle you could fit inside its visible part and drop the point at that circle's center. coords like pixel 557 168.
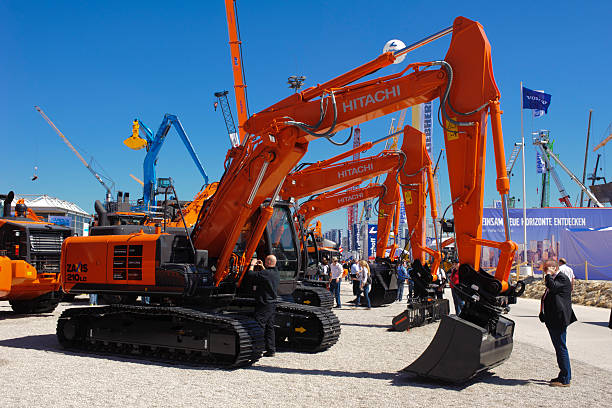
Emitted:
pixel 279 239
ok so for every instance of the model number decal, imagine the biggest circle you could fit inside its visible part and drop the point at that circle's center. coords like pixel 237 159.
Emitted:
pixel 77 268
pixel 75 277
pixel 75 271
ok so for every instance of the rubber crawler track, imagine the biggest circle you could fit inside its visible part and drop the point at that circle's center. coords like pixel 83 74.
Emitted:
pixel 249 334
pixel 329 328
pixel 324 296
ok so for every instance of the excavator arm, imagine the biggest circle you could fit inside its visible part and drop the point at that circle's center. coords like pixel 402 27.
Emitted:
pixel 255 170
pixel 336 199
pixel 279 136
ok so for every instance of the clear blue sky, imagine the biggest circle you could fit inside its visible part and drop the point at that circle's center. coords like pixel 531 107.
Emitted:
pixel 95 66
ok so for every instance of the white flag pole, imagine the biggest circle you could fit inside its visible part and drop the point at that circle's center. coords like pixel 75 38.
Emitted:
pixel 524 194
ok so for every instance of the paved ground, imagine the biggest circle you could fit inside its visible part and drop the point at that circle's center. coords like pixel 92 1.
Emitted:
pixel 362 370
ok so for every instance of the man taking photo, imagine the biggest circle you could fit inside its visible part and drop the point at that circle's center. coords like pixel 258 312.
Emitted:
pixel 266 290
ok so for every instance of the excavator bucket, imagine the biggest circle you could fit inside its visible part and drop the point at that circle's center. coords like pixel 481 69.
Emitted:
pixel 461 349
pixel 383 290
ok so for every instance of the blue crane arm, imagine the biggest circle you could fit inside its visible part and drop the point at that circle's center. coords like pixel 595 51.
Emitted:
pixel 154 146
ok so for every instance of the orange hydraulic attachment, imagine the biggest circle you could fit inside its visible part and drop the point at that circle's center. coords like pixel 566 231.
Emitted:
pixel 279 137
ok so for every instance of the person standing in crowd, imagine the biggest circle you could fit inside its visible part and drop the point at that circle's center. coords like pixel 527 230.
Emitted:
pixel 346 267
pixel 402 275
pixel 569 272
pixel 336 271
pixel 410 284
pixel 356 282
pixel 325 270
pixel 266 283
pixel 93 299
pixel 454 281
pixel 556 308
pixel 442 281
pixel 365 282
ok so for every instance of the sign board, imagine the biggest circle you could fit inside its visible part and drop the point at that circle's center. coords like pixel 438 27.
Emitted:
pixel 372 233
pixel 544 229
pixel 60 220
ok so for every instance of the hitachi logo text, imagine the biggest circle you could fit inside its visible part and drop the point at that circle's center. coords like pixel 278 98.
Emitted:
pixel 368 99
pixel 355 170
pixel 350 198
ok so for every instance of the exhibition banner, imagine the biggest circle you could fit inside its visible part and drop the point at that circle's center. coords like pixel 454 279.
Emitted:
pixel 372 232
pixel 588 251
pixel 544 228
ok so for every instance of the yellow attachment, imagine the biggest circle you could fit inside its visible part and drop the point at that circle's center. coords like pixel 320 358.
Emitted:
pixel 135 142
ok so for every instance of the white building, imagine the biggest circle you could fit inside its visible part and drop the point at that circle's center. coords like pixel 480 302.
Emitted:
pixel 57 211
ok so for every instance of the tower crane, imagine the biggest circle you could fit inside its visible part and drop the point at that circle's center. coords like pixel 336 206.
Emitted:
pixel 542 144
pixel 71 147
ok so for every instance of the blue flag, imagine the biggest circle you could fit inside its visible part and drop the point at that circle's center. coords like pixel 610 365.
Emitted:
pixel 535 100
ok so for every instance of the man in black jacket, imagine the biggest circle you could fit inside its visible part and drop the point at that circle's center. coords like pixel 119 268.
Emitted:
pixel 558 314
pixel 266 290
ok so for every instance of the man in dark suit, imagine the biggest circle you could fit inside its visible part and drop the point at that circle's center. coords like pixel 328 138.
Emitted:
pixel 558 314
pixel 266 290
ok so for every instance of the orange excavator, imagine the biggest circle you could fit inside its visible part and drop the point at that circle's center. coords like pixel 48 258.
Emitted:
pixel 409 176
pixel 29 259
pixel 405 167
pixel 196 316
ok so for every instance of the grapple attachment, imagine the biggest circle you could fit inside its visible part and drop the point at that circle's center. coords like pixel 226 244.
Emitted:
pixel 461 349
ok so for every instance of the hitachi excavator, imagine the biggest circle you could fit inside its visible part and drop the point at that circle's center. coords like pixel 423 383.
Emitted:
pixel 384 283
pixel 331 174
pixel 196 320
pixel 29 258
pixel 405 167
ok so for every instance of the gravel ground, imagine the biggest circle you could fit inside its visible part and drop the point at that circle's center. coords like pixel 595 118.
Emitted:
pixel 361 370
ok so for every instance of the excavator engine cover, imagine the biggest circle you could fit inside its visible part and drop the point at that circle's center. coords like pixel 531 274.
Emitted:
pixel 461 349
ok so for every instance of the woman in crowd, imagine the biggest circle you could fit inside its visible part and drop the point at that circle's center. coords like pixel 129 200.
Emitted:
pixel 366 280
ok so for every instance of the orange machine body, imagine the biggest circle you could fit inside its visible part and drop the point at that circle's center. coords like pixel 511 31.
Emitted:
pixel 121 264
pixel 29 258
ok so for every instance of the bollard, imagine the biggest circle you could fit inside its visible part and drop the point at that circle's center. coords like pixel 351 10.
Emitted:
pixel 518 272
pixel 586 271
